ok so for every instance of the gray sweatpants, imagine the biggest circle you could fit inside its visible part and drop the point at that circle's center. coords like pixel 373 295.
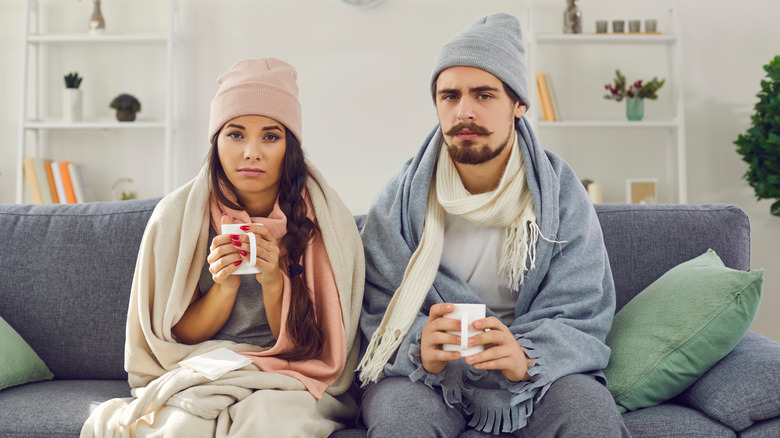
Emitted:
pixel 575 406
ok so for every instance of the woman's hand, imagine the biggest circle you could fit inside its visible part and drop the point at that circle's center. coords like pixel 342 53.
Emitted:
pixel 267 261
pixel 223 259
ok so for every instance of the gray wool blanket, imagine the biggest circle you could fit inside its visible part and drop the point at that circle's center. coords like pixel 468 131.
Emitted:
pixel 563 310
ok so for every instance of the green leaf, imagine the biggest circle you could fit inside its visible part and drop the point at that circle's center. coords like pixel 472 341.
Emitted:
pixel 759 146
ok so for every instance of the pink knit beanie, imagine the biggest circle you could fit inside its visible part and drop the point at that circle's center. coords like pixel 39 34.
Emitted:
pixel 263 86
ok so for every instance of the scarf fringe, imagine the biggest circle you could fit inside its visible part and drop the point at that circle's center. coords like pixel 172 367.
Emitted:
pixel 514 261
pixel 372 365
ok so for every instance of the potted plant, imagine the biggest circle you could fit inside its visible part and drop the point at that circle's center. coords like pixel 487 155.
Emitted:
pixel 72 98
pixel 760 145
pixel 126 106
pixel 634 95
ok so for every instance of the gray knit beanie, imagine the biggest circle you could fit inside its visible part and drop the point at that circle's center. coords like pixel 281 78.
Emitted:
pixel 494 44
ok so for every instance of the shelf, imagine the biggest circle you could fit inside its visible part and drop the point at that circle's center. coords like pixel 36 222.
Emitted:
pixel 40 130
pixel 669 124
pixel 665 48
pixel 93 124
pixel 88 38
pixel 609 38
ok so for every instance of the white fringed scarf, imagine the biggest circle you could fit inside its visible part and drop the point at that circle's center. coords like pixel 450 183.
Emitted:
pixel 510 206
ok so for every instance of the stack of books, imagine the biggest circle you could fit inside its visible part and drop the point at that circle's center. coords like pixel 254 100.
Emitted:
pixel 547 98
pixel 56 182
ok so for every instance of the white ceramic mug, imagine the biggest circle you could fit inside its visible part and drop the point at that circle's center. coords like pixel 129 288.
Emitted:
pixel 244 268
pixel 466 314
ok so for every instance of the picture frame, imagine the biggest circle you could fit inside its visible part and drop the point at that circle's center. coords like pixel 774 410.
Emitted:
pixel 641 191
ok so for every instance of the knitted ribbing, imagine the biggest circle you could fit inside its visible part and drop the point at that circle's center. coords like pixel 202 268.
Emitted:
pixel 406 302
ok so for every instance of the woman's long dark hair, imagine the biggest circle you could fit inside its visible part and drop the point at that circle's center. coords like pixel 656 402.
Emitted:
pixel 302 325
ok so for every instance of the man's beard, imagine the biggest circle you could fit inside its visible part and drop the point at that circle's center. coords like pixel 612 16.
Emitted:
pixel 469 151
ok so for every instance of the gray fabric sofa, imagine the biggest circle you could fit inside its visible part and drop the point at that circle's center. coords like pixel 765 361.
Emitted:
pixel 66 271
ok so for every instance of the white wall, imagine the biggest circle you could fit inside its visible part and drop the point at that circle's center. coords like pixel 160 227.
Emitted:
pixel 363 78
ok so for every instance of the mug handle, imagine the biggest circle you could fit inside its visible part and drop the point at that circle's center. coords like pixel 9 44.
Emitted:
pixel 252 248
pixel 464 331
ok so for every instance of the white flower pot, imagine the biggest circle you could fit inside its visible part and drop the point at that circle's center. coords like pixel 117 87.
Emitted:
pixel 71 104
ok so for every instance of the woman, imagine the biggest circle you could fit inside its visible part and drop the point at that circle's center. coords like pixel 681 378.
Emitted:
pixel 296 319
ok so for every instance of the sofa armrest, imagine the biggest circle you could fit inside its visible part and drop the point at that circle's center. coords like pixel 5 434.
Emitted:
pixel 741 389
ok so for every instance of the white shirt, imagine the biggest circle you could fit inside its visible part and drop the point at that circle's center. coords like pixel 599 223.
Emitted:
pixel 474 252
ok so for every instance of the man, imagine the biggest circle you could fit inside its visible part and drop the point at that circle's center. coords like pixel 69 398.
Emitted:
pixel 482 214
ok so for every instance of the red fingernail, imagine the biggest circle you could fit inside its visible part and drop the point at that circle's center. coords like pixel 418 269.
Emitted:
pixel 238 262
pixel 234 237
pixel 243 253
pixel 235 219
pixel 224 214
pixel 236 243
pixel 244 227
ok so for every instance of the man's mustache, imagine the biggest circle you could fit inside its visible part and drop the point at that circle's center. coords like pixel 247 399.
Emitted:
pixel 470 126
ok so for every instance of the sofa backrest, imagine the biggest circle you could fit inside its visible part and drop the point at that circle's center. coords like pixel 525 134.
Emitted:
pixel 66 270
pixel 645 241
pixel 65 277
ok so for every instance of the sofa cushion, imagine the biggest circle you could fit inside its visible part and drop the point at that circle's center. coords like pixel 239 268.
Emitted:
pixel 743 388
pixel 54 409
pixel 67 287
pixel 670 420
pixel 677 328
pixel 18 362
pixel 764 429
pixel 645 241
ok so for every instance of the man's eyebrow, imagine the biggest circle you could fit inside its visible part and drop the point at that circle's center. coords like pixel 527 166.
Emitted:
pixel 480 89
pixel 483 88
pixel 448 91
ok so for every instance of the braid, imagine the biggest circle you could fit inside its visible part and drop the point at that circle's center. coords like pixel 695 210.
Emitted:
pixel 301 322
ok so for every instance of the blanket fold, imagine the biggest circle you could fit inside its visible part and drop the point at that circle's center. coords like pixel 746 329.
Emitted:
pixel 179 402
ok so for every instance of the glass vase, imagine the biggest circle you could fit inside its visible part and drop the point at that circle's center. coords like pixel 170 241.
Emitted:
pixel 572 18
pixel 635 108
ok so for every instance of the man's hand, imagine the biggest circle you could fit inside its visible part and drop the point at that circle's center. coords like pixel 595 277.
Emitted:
pixel 502 352
pixel 434 334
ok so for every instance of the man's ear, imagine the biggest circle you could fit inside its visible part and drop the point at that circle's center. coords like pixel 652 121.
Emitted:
pixel 520 111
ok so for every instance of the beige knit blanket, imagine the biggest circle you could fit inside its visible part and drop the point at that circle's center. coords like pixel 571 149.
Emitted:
pixel 171 401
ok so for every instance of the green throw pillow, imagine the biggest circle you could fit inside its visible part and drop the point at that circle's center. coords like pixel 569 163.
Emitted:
pixel 672 332
pixel 18 362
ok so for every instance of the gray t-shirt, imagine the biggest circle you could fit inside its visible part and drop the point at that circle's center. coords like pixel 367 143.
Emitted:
pixel 248 322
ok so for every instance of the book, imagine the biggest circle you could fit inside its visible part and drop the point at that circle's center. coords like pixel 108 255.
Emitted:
pixel 67 185
pixel 50 179
pixel 55 170
pixel 43 180
pixel 32 180
pixel 544 98
pixel 553 98
pixel 81 187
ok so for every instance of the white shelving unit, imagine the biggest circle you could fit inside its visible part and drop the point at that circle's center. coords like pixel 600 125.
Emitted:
pixel 31 100
pixel 674 126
